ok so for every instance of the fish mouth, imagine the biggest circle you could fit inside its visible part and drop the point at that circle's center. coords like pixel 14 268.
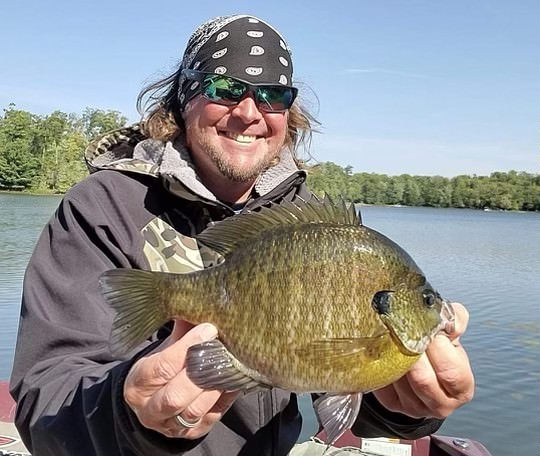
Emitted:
pixel 448 318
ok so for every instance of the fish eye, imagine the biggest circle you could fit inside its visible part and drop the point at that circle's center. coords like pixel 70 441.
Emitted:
pixel 429 298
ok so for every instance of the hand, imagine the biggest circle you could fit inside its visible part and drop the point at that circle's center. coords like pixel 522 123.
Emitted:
pixel 157 387
pixel 441 380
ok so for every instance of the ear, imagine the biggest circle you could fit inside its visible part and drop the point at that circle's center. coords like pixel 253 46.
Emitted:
pixel 382 301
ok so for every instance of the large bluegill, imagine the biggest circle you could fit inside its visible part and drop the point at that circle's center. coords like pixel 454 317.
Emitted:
pixel 307 299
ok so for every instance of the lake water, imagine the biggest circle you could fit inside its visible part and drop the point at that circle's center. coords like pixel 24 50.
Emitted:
pixel 487 260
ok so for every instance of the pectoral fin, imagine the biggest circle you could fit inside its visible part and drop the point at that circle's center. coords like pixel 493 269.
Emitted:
pixel 337 414
pixel 333 352
pixel 211 366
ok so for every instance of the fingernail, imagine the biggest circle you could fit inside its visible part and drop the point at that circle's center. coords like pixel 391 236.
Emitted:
pixel 207 331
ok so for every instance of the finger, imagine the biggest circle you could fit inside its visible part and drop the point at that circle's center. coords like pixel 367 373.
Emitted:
pixel 411 402
pixel 153 371
pixel 180 328
pixel 425 385
pixel 201 413
pixel 209 406
pixel 461 321
pixel 388 397
pixel 167 363
pixel 173 397
pixel 400 397
pixel 451 365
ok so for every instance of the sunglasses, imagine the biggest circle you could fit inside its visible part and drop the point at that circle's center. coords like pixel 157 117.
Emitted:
pixel 229 91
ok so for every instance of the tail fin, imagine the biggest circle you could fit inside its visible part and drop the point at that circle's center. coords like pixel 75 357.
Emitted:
pixel 132 294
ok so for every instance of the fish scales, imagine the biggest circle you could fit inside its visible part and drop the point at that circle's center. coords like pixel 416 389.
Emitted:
pixel 306 299
pixel 293 301
pixel 330 296
pixel 288 274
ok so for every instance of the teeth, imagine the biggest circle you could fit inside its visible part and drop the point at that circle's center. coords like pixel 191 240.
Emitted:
pixel 246 139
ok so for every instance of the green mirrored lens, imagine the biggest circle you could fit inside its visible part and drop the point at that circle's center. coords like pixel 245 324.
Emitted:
pixel 229 91
pixel 274 98
pixel 223 89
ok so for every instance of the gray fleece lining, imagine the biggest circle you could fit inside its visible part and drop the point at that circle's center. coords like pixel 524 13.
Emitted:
pixel 175 162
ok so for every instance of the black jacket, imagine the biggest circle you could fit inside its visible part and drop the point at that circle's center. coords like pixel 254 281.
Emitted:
pixel 137 213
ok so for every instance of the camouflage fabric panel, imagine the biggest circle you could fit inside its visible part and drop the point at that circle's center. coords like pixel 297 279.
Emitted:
pixel 167 250
pixel 129 136
pixel 134 165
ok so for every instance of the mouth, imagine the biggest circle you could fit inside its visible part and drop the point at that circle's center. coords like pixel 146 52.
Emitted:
pixel 240 138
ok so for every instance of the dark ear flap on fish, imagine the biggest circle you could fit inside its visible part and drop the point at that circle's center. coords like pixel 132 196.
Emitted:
pixel 337 414
pixel 211 366
pixel 225 236
pixel 382 302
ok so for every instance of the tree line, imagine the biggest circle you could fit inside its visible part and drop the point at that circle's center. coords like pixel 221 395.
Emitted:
pixel 510 190
pixel 44 154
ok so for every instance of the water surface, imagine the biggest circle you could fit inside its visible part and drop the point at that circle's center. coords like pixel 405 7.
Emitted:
pixel 489 261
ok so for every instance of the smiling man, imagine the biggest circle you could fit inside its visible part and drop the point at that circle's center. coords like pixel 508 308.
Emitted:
pixel 219 136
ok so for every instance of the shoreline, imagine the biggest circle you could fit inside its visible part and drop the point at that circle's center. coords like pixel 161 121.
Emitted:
pixel 485 209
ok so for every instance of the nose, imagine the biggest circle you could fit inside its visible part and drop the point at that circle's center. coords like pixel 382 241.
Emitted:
pixel 247 109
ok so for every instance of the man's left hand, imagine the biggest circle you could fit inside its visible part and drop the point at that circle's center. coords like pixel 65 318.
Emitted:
pixel 441 380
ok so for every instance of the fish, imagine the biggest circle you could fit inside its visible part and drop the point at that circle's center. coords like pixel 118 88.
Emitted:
pixel 306 298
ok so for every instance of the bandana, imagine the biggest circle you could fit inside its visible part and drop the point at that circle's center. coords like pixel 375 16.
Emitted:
pixel 240 46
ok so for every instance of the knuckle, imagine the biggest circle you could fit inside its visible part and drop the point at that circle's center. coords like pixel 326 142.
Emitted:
pixel 452 379
pixel 147 422
pixel 423 381
pixel 193 413
pixel 164 369
pixel 466 396
pixel 172 401
pixel 132 398
pixel 462 318
pixel 441 412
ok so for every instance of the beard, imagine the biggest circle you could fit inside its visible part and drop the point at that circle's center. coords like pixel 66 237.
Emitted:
pixel 236 172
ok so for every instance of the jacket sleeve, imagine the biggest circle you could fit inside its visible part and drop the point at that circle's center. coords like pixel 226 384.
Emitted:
pixel 374 420
pixel 67 385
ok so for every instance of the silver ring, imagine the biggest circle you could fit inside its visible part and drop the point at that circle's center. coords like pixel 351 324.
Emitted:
pixel 186 424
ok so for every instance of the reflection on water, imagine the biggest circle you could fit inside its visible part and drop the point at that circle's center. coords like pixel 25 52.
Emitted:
pixel 486 260
pixel 22 218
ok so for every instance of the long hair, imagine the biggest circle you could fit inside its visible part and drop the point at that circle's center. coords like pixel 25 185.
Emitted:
pixel 161 116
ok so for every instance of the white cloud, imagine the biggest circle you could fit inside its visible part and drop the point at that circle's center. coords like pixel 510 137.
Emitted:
pixel 387 71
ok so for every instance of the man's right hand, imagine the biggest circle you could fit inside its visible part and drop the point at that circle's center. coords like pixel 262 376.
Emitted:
pixel 158 389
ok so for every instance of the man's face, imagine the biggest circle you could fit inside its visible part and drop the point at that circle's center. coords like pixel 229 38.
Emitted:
pixel 236 142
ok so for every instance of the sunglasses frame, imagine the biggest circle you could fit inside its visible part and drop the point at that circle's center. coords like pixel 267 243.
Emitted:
pixel 200 76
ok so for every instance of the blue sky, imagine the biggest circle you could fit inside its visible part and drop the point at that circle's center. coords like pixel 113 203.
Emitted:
pixel 418 86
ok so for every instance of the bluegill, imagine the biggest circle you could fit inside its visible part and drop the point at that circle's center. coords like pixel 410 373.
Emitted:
pixel 307 299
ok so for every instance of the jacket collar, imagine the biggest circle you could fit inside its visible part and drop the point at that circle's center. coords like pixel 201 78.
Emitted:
pixel 128 150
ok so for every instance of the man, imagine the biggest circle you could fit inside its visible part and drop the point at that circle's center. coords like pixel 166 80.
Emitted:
pixel 213 144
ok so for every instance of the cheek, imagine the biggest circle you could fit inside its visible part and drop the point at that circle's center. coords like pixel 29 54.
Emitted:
pixel 278 125
pixel 200 113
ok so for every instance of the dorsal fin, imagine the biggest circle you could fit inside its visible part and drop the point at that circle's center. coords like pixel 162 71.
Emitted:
pixel 224 236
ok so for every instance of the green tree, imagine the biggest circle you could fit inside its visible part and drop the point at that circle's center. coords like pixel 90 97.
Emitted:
pixel 61 160
pixel 97 122
pixel 19 163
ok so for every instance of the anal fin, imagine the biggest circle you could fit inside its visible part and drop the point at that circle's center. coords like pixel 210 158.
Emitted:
pixel 337 414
